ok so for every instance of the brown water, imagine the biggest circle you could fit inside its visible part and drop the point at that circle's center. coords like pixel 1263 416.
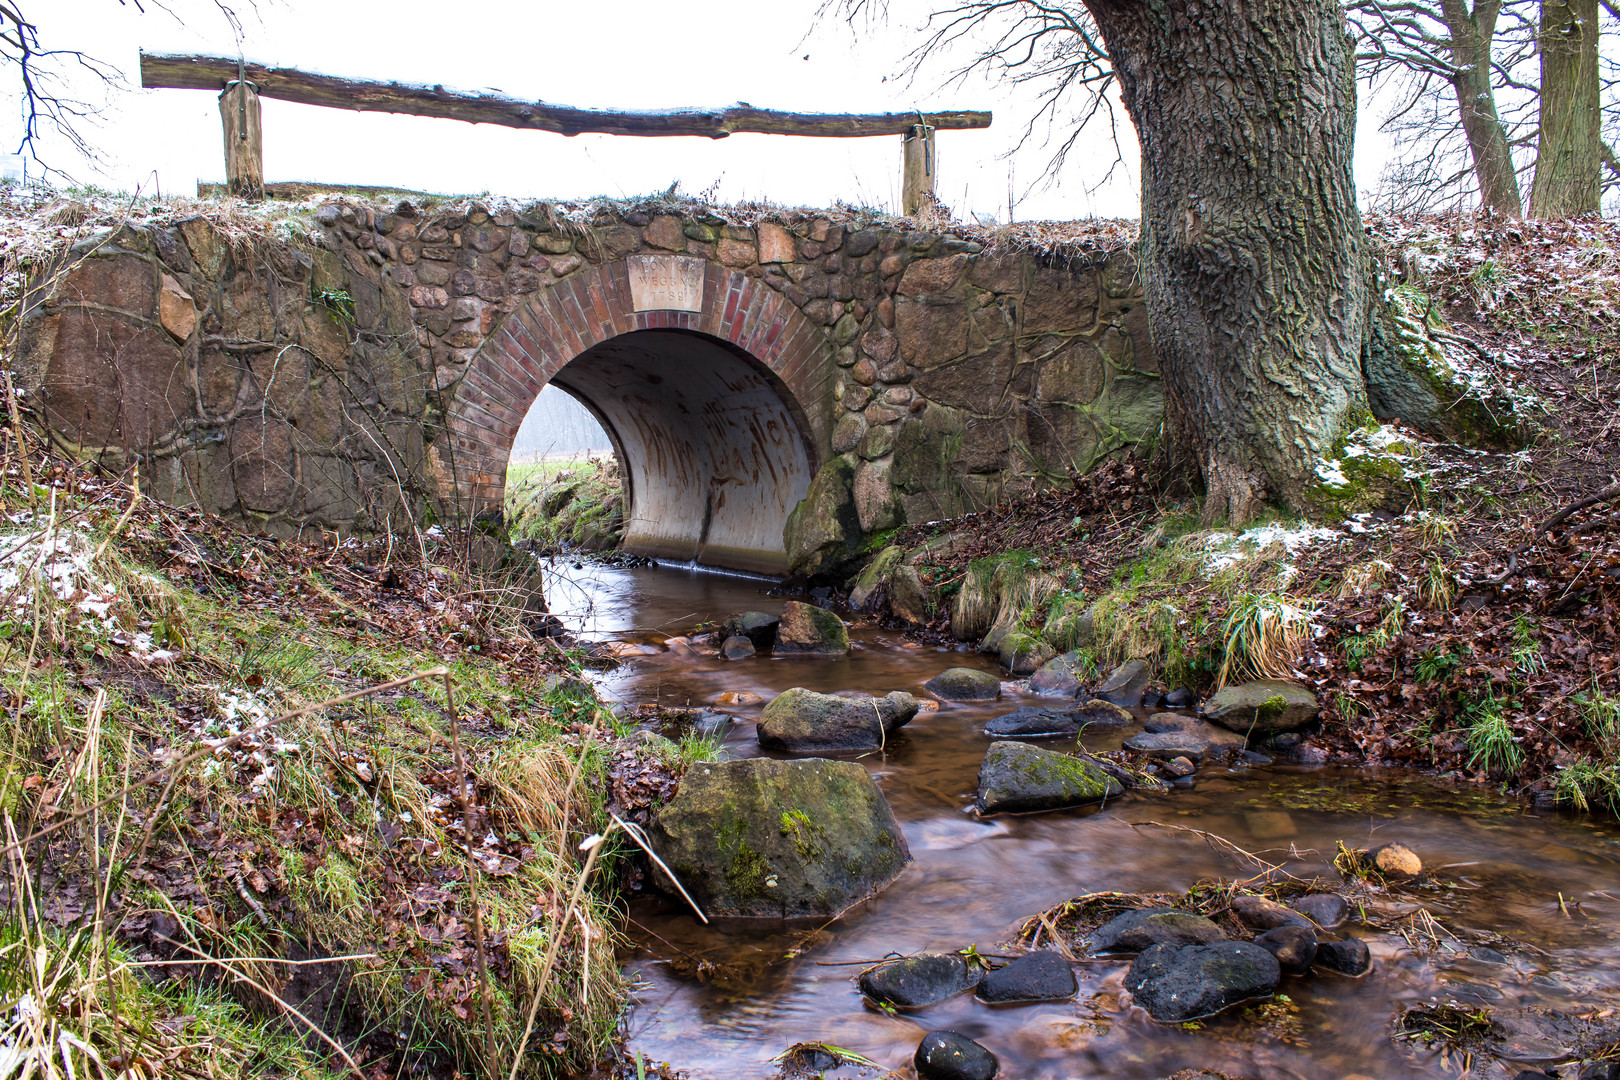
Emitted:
pixel 1548 884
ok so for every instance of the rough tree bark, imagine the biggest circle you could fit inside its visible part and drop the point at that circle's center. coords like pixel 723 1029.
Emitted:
pixel 1252 249
pixel 1569 152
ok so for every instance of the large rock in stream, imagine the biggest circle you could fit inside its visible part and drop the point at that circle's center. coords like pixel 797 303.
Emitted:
pixel 1261 709
pixel 1194 981
pixel 920 981
pixel 964 684
pixel 807 630
pixel 1018 778
pixel 1031 722
pixel 758 627
pixel 801 721
pixel 779 839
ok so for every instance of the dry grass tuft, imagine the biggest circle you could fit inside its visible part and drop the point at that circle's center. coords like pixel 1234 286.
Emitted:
pixel 1263 637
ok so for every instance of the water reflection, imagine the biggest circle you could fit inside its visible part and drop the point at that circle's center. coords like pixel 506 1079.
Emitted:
pixel 1543 882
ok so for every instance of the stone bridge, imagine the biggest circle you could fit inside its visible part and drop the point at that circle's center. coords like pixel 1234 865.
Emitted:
pixel 367 368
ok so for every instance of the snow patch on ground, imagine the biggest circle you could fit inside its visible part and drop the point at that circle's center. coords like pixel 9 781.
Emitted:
pixel 1224 549
pixel 63 561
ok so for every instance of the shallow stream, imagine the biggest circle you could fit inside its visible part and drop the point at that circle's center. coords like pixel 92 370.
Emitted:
pixel 1548 884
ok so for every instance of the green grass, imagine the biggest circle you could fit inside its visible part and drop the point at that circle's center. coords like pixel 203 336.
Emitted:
pixel 302 829
pixel 1491 743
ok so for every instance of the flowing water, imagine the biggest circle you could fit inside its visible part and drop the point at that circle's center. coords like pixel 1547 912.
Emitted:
pixel 1549 884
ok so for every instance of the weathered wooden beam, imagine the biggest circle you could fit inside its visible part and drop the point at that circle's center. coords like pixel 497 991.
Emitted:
pixel 244 141
pixel 917 164
pixel 159 70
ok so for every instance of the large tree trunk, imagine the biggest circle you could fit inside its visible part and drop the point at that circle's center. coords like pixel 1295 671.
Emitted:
pixel 1472 35
pixel 1570 150
pixel 1252 250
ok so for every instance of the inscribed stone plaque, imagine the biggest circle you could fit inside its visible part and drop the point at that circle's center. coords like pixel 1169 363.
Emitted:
pixel 666 283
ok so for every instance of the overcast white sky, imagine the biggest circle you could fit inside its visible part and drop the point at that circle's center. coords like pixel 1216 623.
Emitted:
pixel 622 53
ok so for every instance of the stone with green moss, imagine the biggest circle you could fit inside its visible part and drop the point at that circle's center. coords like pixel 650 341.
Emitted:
pixel 964 684
pixel 1018 778
pixel 1023 653
pixel 802 721
pixel 779 839
pixel 910 598
pixel 876 573
pixel 1070 623
pixel 807 629
pixel 823 532
pixel 1371 469
pixel 1261 709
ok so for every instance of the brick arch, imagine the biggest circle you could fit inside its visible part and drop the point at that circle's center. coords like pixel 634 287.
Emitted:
pixel 591 315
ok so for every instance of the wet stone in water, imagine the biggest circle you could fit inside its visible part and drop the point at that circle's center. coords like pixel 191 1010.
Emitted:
pixel 1179 767
pixel 1326 910
pixel 1194 981
pixel 1348 957
pixel 1161 722
pixel 802 721
pixel 1169 745
pixel 1259 913
pixel 737 648
pixel 1135 931
pixel 1016 778
pixel 964 684
pixel 1293 946
pixel 947 1055
pixel 1397 859
pixel 1036 976
pixel 920 981
pixel 809 630
pixel 756 626
pixel 1031 722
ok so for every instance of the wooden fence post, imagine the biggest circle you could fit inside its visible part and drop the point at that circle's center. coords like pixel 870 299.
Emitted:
pixel 244 140
pixel 917 169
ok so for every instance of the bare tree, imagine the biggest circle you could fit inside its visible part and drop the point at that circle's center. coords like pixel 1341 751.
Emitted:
pixel 46 75
pixel 1418 47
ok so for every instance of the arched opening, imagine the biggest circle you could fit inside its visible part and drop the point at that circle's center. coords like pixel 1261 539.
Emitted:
pixel 711 446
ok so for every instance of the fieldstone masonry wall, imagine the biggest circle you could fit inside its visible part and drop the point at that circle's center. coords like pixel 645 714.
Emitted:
pixel 378 363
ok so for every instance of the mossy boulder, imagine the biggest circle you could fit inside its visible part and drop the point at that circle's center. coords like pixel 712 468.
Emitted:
pixel 1023 653
pixel 1017 778
pixel 1070 624
pixel 779 839
pixel 1261 709
pixel 802 721
pixel 964 684
pixel 910 598
pixel 1374 468
pixel 824 532
pixel 876 574
pixel 807 629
